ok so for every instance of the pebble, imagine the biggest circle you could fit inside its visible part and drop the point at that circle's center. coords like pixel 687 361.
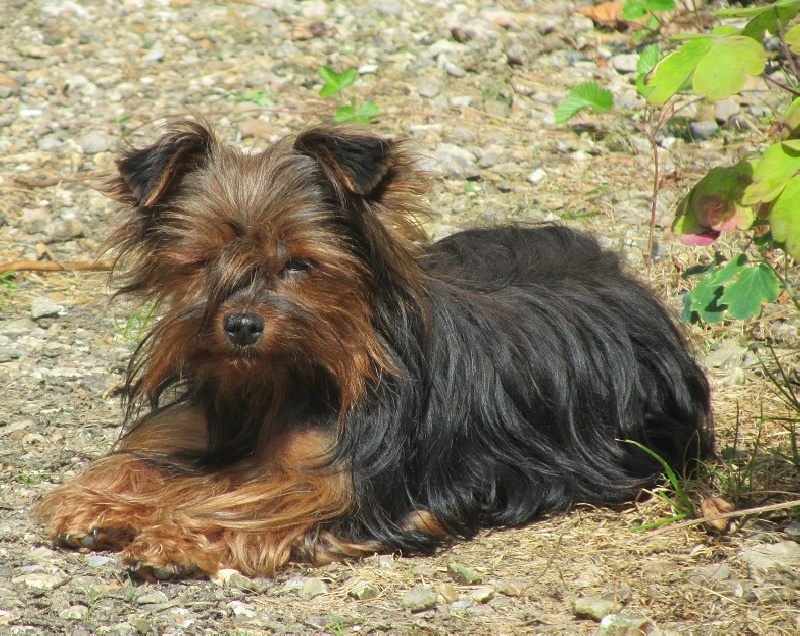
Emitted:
pixel 625 625
pixel 74 613
pixel 364 590
pixel 419 598
pixel 152 597
pixel 626 63
pixel 241 610
pixel 312 587
pixel 537 176
pixel 482 594
pixel 456 162
pixel 448 592
pixel 594 607
pixel 463 575
pixel 43 307
pixel 703 129
pixel 771 559
pixel 38 581
pixel 429 87
pixel 92 143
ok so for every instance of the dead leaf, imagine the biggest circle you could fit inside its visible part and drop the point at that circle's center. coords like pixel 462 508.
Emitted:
pixel 712 507
pixel 607 14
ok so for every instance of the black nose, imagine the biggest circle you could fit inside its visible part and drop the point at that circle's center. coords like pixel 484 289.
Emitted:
pixel 243 328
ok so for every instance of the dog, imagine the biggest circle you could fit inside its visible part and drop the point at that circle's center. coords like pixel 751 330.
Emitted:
pixel 325 383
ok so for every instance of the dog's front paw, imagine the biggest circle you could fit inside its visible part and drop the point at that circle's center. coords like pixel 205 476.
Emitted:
pixel 111 539
pixel 154 556
pixel 151 572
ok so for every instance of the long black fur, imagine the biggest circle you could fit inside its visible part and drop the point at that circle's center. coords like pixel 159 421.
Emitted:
pixel 542 361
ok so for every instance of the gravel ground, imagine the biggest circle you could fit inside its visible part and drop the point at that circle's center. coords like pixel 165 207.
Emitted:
pixel 477 88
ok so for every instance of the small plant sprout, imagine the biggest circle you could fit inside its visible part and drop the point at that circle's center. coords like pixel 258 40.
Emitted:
pixel 355 112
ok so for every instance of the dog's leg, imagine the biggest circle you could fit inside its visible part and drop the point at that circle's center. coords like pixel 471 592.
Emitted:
pixel 170 519
pixel 253 516
pixel 102 507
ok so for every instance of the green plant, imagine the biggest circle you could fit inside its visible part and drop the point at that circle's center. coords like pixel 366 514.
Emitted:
pixel 356 112
pixel 8 286
pixel 759 196
pixel 132 329
pixel 677 499
pixel 259 97
pixel 649 9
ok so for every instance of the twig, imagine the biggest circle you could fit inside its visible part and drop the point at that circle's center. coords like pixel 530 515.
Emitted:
pixel 99 265
pixel 728 515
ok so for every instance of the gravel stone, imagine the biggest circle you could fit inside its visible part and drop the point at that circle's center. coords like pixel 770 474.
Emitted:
pixel 703 129
pixel 92 143
pixel 312 587
pixel 594 608
pixel 463 575
pixel 43 307
pixel 419 598
pixel 456 162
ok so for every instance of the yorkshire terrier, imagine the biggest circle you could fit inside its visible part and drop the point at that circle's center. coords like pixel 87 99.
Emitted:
pixel 324 382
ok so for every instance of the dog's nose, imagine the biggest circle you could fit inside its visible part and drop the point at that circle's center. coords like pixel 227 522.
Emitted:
pixel 243 328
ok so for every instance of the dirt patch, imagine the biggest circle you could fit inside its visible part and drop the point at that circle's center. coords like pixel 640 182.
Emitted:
pixel 476 88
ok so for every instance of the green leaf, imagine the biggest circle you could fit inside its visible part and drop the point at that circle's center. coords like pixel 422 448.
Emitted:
pixel 706 297
pixel 646 62
pixel 633 10
pixel 673 72
pixel 659 5
pixel 581 97
pixel 726 66
pixel 364 113
pixel 704 301
pixel 784 217
pixel 792 39
pixel 764 19
pixel 789 122
pixel 336 82
pixel 648 59
pixel 779 163
pixel 745 295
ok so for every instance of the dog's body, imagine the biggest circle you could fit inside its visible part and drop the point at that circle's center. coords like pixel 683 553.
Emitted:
pixel 324 384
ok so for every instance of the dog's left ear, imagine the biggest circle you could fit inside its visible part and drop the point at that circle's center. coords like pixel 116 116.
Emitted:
pixel 351 157
pixel 147 176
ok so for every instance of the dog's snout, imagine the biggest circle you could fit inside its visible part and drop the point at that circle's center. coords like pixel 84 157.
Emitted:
pixel 243 328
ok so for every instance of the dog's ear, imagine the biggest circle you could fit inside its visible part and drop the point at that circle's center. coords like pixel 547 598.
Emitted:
pixel 352 158
pixel 148 175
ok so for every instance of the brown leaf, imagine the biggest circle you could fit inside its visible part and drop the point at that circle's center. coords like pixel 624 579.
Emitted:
pixel 607 14
pixel 712 507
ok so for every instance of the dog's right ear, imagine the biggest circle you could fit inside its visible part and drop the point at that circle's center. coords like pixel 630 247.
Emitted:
pixel 148 175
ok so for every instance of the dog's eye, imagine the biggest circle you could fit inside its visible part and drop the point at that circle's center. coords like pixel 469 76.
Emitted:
pixel 296 267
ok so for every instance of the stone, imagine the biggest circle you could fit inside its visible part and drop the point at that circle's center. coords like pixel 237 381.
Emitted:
pixel 702 130
pixel 482 594
pixel 456 162
pixel 92 143
pixel 364 590
pixel 312 587
pixel 448 592
pixel 625 625
pixel 43 307
pixel 537 176
pixel 38 581
pixel 419 598
pixel 463 575
pixel 775 558
pixel 594 607
pixel 626 63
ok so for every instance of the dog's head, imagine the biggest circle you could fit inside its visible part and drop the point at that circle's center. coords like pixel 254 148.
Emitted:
pixel 267 266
